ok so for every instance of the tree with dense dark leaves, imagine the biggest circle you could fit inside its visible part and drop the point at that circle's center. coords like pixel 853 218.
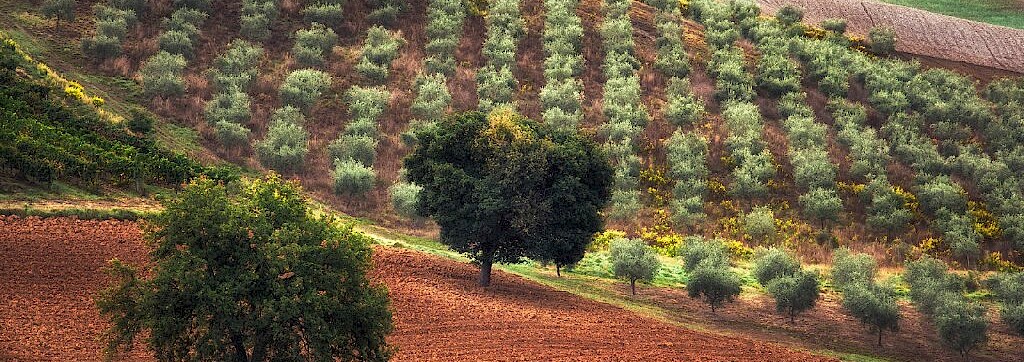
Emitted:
pixel 503 187
pixel 245 273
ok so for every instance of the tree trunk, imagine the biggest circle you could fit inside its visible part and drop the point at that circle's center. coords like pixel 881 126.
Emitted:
pixel 632 286
pixel 879 337
pixel 792 316
pixel 485 271
pixel 241 355
pixel 712 308
pixel 558 270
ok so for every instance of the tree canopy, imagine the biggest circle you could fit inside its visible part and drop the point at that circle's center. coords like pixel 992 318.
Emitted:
pixel 503 187
pixel 243 273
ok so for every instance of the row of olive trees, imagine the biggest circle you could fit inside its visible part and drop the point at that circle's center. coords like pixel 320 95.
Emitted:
pixel 228 112
pixel 625 114
pixel 328 12
pixel 112 22
pixel 562 94
pixel 445 19
pixel 496 84
pixel 939 296
pixel 162 73
pixel 257 18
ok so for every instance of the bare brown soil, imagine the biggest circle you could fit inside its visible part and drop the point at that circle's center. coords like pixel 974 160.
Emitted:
pixel 51 271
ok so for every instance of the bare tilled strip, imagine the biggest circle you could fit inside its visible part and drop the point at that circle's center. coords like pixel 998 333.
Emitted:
pixel 921 32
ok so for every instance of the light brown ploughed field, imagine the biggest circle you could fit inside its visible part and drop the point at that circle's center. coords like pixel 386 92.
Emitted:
pixel 51 273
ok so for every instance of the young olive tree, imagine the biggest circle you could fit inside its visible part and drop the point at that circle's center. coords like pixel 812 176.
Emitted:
pixel 634 260
pixel 61 10
pixel 303 87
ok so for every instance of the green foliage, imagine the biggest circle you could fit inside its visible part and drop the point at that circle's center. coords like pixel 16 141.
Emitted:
pixel 961 324
pixel 237 66
pixel 432 97
pixel 759 223
pixel 59 9
pixel 48 138
pixel 379 50
pixel 177 42
pixel 883 40
pixel 250 266
pixel 366 105
pixel 687 162
pixel 1009 288
pixel 492 183
pixel 821 204
pixel 257 15
pixel 384 12
pixel 773 263
pixel 231 134
pixel 733 82
pixel 357 147
pixel 887 210
pixel 777 74
pixel 182 31
pixel 442 17
pixel 682 108
pixel 873 305
pixel 749 152
pixel 796 293
pixel 634 260
pixel 330 14
pixel 199 5
pixel 161 75
pixel 140 121
pixel 312 44
pixel 404 198
pixel 231 106
pixel 931 284
pixel 352 178
pixel 111 27
pixel 714 282
pixel 495 88
pixel 303 87
pixel 671 59
pixel 284 148
pixel 835 25
pixel 697 249
pixel 789 15
pixel 849 269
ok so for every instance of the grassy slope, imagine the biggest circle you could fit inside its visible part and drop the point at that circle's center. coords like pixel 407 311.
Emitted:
pixel 1008 13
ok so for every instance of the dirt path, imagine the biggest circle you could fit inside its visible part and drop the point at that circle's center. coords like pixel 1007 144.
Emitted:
pixel 921 32
pixel 51 270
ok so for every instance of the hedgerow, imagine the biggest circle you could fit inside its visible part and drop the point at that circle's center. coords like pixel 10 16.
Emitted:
pixel 686 155
pixel 562 94
pixel 445 19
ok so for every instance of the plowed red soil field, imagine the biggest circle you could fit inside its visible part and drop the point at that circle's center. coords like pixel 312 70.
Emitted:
pixel 51 271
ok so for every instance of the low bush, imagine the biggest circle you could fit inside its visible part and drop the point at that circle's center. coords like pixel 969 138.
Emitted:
pixel 404 197
pixel 232 134
pixel 324 13
pixel 759 223
pixel 379 50
pixel 352 178
pixel 232 106
pixel 883 40
pixel 312 45
pixel 303 87
pixel 356 147
pixel 432 97
pixel 789 15
pixel 284 148
pixel 161 75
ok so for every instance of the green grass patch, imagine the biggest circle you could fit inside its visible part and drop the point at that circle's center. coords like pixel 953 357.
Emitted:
pixel 83 214
pixel 999 12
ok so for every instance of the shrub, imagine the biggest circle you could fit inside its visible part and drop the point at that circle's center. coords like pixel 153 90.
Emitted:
pixel 161 75
pixel 883 40
pixel 887 210
pixel 404 197
pixel 232 106
pixel 232 134
pixel 237 66
pixel 312 44
pixel 681 107
pixel 328 14
pixel 367 104
pixel 759 223
pixel 873 305
pixel 432 97
pixel 789 15
pixel 186 20
pixel 849 268
pixel 140 121
pixel 625 204
pixel 774 263
pixel 352 178
pixel 356 147
pixel 379 50
pixel 302 88
pixel 59 9
pixel 288 114
pixel 177 42
pixel 256 18
pixel 102 46
pixel 812 168
pixel 714 282
pixel 777 74
pixel 698 249
pixel 385 11
pixel 835 25
pixel 822 205
pixel 284 148
pixel 634 260
pixel 687 161
pixel 961 324
pixel 796 293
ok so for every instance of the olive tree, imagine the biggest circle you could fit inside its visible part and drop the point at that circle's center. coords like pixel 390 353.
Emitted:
pixel 59 10
pixel 161 75
pixel 634 260
pixel 795 293
pixel 874 305
pixel 303 87
pixel 961 324
pixel 284 148
pixel 248 274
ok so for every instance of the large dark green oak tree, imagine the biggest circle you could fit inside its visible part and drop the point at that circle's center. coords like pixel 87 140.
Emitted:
pixel 503 187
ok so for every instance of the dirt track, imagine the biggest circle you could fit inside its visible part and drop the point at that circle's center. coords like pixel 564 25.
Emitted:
pixel 921 32
pixel 51 274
